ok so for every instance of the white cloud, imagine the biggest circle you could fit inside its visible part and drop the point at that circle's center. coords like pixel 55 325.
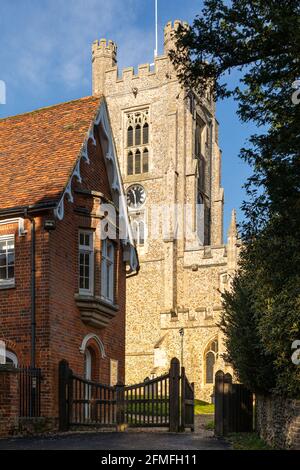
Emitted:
pixel 56 40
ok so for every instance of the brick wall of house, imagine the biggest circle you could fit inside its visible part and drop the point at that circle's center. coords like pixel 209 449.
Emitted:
pixel 9 400
pixel 59 329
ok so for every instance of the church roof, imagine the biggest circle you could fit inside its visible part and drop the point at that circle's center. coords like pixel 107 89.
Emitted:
pixel 38 151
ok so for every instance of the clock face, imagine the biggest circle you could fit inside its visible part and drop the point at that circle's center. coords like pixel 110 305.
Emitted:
pixel 136 196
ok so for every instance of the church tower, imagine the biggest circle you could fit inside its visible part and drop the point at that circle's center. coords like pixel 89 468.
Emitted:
pixel 167 144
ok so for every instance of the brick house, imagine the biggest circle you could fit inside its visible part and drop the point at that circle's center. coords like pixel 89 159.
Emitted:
pixel 62 286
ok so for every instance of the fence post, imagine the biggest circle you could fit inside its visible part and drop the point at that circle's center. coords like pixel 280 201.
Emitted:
pixel 120 405
pixel 174 395
pixel 183 420
pixel 193 412
pixel 219 391
pixel 227 426
pixel 64 405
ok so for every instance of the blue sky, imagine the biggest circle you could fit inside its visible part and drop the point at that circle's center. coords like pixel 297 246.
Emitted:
pixel 45 59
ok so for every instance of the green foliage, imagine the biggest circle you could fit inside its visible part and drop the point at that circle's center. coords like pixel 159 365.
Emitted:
pixel 247 441
pixel 210 426
pixel 260 41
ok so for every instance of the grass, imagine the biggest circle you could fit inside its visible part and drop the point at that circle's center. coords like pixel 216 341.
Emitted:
pixel 247 441
pixel 203 408
pixel 210 425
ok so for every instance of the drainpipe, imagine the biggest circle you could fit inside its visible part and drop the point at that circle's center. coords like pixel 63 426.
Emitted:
pixel 33 294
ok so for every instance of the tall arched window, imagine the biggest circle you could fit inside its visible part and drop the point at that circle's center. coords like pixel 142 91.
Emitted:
pixel 210 357
pixel 130 163
pixel 145 133
pixel 137 165
pixel 138 135
pixel 130 136
pixel 145 161
pixel 210 363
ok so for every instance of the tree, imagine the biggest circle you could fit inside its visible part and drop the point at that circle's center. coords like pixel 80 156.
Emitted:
pixel 261 40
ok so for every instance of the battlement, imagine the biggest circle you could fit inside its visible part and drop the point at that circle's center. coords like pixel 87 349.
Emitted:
pixel 169 31
pixel 105 48
pixel 170 26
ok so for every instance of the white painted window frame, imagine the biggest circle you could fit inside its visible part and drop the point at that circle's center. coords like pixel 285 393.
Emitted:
pixel 108 270
pixel 90 251
pixel 7 283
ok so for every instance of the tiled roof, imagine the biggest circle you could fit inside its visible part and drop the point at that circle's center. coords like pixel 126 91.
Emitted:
pixel 38 151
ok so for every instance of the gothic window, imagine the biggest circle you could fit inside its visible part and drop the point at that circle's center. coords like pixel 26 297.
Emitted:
pixel 137 126
pixel 210 357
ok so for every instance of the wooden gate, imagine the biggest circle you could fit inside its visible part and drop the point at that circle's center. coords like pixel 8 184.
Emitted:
pixel 233 406
pixel 152 403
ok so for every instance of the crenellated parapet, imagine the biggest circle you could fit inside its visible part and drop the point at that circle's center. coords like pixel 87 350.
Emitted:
pixel 169 32
pixel 103 47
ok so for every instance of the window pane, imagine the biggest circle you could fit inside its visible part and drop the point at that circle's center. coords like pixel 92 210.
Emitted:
pixel 129 136
pixel 138 135
pixel 138 162
pixel 81 239
pixel 11 272
pixel 10 258
pixel 145 133
pixel 130 164
pixel 2 260
pixel 145 161
pixel 2 247
pixel 2 273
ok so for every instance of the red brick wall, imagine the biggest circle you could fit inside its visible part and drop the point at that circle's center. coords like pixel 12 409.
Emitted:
pixel 59 329
pixel 9 400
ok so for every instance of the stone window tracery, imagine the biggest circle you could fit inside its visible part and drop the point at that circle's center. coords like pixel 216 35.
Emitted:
pixel 137 141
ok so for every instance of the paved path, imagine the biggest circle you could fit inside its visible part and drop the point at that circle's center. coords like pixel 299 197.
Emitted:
pixel 142 440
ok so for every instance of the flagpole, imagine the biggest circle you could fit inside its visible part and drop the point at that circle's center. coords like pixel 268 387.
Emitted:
pixel 156 31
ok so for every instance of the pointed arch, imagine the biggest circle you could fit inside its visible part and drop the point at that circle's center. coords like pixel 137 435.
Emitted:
pixel 209 359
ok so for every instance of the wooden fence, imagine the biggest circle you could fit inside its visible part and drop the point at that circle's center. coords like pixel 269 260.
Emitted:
pixel 233 406
pixel 165 401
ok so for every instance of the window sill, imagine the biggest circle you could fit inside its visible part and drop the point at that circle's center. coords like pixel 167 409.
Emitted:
pixel 95 311
pixel 7 286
